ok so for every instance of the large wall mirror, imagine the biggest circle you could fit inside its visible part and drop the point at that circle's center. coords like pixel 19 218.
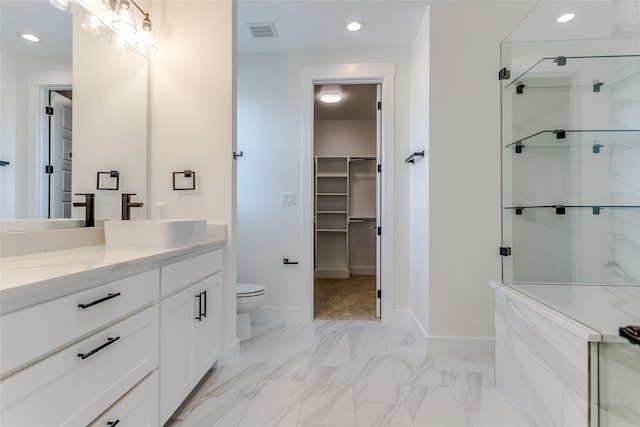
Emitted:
pixel 102 128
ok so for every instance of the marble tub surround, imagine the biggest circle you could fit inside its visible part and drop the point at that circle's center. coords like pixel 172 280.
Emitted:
pixel 543 362
pixel 619 384
pixel 601 308
pixel 345 373
pixel 33 278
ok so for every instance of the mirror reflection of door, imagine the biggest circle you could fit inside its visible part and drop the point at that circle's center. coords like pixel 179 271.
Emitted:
pixel 60 152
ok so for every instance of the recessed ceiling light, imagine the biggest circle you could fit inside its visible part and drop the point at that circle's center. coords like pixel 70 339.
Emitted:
pixel 330 98
pixel 566 17
pixel 355 26
pixel 29 37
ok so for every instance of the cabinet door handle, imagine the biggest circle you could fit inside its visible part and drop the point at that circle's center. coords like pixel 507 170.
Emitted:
pixel 199 318
pixel 113 423
pixel 204 297
pixel 97 349
pixel 98 301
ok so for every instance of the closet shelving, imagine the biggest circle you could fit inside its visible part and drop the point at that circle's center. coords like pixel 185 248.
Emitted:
pixel 345 204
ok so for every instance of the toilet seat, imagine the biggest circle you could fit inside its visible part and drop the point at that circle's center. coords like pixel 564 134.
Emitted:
pixel 247 290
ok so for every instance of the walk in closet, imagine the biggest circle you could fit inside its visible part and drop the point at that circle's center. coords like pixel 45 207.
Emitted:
pixel 345 201
pixel 345 147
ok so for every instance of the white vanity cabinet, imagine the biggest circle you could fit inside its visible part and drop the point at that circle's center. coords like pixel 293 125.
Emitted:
pixel 139 407
pixel 78 383
pixel 111 338
pixel 190 325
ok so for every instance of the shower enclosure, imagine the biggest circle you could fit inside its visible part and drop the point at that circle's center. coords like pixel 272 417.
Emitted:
pixel 571 215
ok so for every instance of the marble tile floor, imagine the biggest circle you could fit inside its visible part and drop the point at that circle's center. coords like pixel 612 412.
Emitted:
pixel 345 373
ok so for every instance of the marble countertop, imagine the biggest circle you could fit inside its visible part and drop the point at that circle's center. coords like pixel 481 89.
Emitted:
pixel 33 278
pixel 601 308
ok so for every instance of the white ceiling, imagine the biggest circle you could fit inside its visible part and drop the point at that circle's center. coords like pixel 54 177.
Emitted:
pixel 300 24
pixel 37 17
pixel 321 24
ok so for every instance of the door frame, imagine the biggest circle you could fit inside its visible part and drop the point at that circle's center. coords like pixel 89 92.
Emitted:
pixel 364 73
pixel 39 84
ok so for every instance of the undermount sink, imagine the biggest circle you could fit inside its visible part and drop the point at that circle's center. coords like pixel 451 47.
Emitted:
pixel 154 233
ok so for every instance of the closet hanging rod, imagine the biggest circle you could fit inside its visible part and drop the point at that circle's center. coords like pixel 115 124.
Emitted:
pixel 357 159
pixel 412 157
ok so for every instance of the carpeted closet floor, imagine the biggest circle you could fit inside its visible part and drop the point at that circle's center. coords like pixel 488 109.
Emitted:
pixel 345 299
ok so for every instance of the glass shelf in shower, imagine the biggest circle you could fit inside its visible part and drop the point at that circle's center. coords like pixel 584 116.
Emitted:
pixel 594 139
pixel 561 209
pixel 595 72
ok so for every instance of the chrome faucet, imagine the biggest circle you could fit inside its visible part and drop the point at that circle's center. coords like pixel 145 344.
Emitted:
pixel 90 208
pixel 127 205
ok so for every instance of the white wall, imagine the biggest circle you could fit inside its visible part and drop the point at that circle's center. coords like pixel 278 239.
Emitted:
pixel 345 138
pixel 419 182
pixel 192 125
pixel 269 134
pixel 464 163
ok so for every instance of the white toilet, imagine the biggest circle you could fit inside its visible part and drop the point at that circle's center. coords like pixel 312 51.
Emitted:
pixel 249 296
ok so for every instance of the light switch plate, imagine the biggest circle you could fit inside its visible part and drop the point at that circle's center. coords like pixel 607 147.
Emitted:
pixel 287 198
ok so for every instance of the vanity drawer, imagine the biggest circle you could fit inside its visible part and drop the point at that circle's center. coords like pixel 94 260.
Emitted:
pixel 65 389
pixel 35 331
pixel 139 407
pixel 182 273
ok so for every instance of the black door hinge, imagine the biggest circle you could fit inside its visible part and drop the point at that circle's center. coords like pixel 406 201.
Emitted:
pixel 379 293
pixel 504 74
pixel 379 168
pixel 379 105
pixel 48 111
pixel 505 251
pixel 379 231
pixel 48 169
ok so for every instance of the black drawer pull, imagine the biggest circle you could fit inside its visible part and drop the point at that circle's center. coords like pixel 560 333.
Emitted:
pixel 98 301
pixel 199 318
pixel 204 294
pixel 95 350
pixel 113 423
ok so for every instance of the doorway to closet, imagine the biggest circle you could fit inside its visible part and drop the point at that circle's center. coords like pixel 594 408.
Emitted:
pixel 346 152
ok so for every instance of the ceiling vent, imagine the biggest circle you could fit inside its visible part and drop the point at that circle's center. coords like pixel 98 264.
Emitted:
pixel 263 29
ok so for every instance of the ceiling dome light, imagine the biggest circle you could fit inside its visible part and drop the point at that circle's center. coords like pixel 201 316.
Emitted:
pixel 330 98
pixel 29 37
pixel 355 26
pixel 566 17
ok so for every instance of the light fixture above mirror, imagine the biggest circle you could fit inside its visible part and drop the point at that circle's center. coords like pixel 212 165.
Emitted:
pixel 118 16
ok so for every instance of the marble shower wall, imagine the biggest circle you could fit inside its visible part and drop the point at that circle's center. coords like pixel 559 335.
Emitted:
pixel 541 367
pixel 619 384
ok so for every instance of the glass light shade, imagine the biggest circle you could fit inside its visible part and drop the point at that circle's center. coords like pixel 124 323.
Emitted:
pixel 147 43
pixel 64 5
pixel 93 25
pixel 118 43
pixel 124 22
pixel 100 5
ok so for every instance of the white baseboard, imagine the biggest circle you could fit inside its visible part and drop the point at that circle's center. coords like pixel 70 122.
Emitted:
pixel 331 274
pixel 281 314
pixel 459 345
pixel 452 346
pixel 363 271
pixel 230 353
